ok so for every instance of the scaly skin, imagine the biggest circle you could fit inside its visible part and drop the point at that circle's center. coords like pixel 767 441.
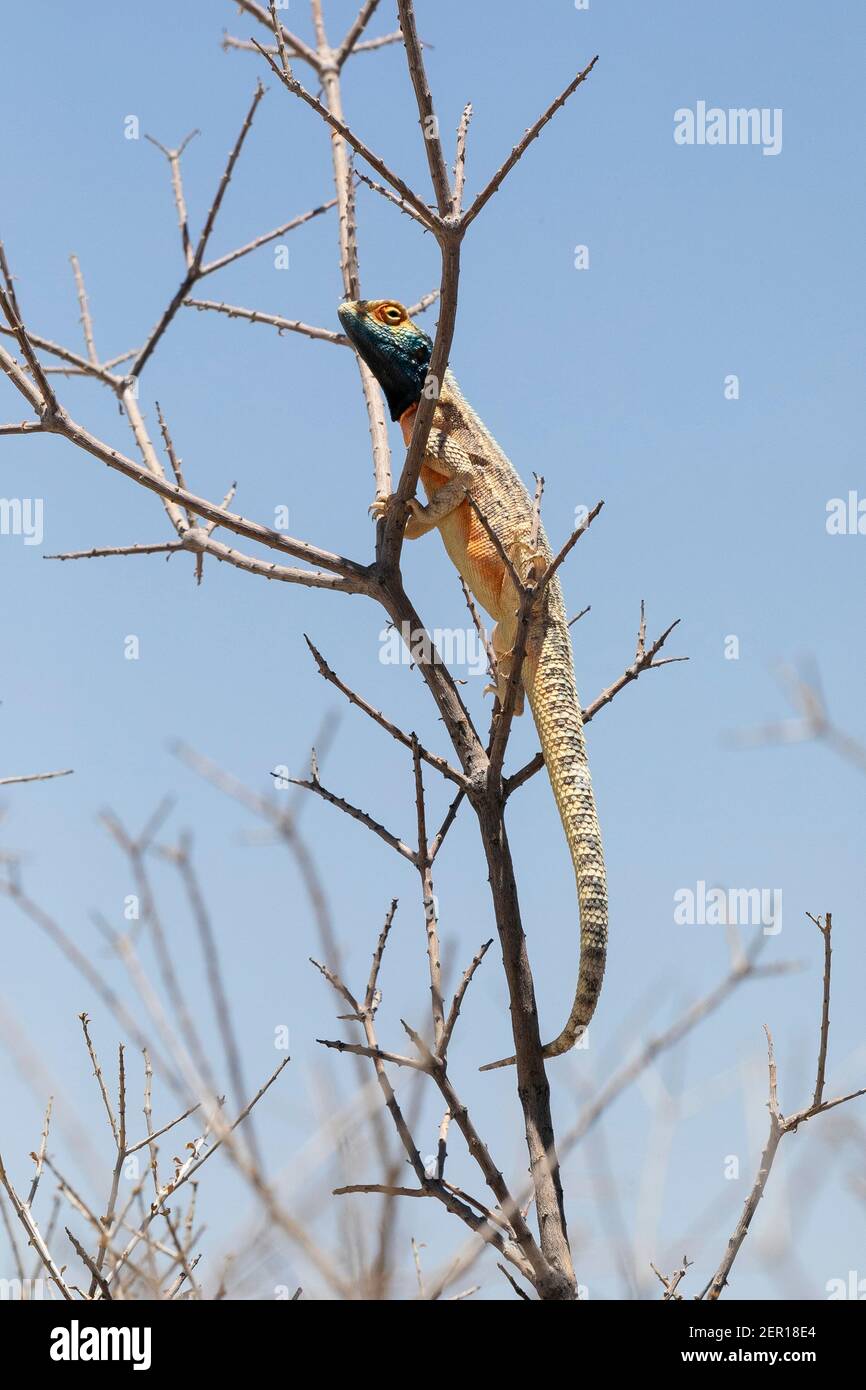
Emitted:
pixel 463 459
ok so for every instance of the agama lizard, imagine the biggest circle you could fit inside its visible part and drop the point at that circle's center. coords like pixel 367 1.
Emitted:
pixel 463 460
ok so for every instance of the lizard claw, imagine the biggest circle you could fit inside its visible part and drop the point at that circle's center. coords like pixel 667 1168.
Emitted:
pixel 381 506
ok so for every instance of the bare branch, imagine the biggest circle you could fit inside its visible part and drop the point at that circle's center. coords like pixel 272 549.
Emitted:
pixel 40 1156
pixel 425 220
pixel 349 136
pixel 407 740
pixel 36 777
pixel 423 865
pixel 296 46
pixel 825 928
pixel 34 1237
pixel 100 1078
pixel 194 267
pixel 263 240
pixel 48 404
pixel 460 161
pixel 24 427
pixel 370 993
pixel 513 1282
pixel 671 1282
pixel 422 304
pixel 350 42
pixel 522 145
pixel 454 1011
pixel 780 1126
pixel 233 311
pixel 359 1050
pixel 569 545
pixel 645 660
pixel 314 785
pixel 426 116
pixel 86 321
pixel 174 157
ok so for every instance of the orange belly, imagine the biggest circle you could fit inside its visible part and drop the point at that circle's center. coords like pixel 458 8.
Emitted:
pixel 466 540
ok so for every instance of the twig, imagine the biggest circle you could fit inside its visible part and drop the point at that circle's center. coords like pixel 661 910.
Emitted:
pixel 33 1235
pixel 49 406
pixel 454 1011
pixel 174 157
pixel 407 740
pixel 514 1284
pixel 460 161
pixel 358 145
pixel 645 660
pixel 235 311
pixel 520 148
pixel 780 1125
pixel 263 240
pixel 23 427
pixel 314 785
pixel 825 928
pixel 36 777
pixel 106 551
pixel 40 1156
pixel 195 263
pixel 424 866
pixel 100 1079
pixel 426 116
pixel 671 1282
pixel 353 35
pixel 86 321
pixel 298 48
pixel 372 982
pixel 569 546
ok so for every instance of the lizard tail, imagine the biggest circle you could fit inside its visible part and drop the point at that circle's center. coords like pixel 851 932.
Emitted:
pixel 552 692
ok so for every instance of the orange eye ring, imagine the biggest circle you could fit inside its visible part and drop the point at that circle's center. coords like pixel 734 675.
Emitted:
pixel 390 313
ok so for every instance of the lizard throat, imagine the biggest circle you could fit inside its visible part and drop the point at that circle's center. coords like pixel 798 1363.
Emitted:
pixel 407 420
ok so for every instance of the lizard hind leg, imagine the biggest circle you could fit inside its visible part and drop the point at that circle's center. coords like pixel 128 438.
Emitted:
pixel 502 641
pixel 529 562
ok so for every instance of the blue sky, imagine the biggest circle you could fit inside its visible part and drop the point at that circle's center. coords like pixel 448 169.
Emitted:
pixel 703 262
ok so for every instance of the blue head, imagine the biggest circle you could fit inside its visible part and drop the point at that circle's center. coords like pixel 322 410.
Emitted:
pixel 393 347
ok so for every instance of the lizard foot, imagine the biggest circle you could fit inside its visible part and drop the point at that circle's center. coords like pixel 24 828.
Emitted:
pixel 380 506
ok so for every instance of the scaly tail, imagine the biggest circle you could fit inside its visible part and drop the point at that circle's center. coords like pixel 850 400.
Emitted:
pixel 551 688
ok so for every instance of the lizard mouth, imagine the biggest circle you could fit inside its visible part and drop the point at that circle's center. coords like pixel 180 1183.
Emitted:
pixel 361 334
pixel 349 313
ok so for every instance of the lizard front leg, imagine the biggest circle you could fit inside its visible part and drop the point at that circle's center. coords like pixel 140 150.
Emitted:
pixel 450 461
pixel 423 519
pixel 443 502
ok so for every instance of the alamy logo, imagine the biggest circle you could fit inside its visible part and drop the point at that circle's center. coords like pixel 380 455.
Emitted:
pixel 737 907
pixel 846 516
pixel 737 126
pixel 852 1287
pixel 22 516
pixel 453 646
pixel 18 1290
pixel 76 1343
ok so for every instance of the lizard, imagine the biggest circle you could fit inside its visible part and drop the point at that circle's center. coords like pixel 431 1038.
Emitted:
pixel 462 460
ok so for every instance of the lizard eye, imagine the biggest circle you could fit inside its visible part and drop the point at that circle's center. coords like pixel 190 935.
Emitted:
pixel 390 313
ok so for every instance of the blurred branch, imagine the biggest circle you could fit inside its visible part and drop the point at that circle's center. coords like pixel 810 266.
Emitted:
pixel 780 1125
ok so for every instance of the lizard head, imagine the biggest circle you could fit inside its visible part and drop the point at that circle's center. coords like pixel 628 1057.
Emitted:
pixel 393 347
